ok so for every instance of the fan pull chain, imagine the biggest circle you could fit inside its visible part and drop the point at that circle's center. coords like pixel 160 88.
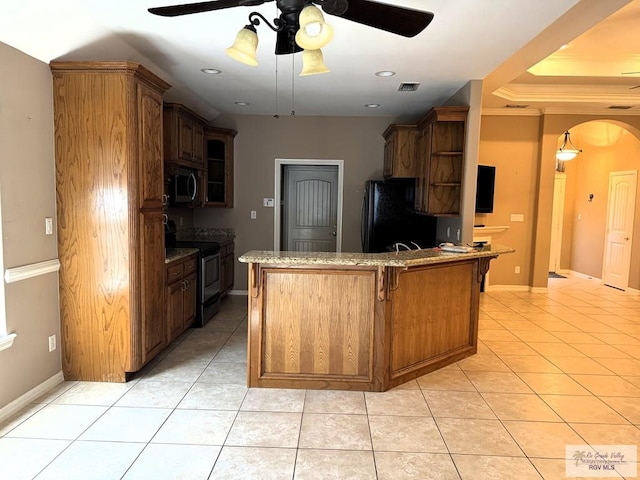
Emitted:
pixel 276 115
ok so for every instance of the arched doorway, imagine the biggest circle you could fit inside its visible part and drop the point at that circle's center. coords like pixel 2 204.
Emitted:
pixel 608 146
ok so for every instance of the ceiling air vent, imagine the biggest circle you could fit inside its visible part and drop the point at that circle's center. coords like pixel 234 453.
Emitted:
pixel 408 86
pixel 620 107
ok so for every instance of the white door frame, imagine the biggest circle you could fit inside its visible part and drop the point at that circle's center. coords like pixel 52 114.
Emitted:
pixel 280 162
pixel 557 219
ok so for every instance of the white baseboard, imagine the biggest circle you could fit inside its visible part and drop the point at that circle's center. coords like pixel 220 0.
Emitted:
pixel 238 292
pixel 24 400
pixel 580 275
pixel 539 289
pixel 507 288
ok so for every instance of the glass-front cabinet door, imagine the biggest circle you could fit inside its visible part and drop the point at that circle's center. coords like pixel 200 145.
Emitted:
pixel 218 178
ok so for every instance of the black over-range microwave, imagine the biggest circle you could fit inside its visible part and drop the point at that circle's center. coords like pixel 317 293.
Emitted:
pixel 184 186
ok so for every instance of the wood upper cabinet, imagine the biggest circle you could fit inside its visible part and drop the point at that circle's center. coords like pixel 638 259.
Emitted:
pixel 109 182
pixel 400 160
pixel 217 182
pixel 183 137
pixel 440 147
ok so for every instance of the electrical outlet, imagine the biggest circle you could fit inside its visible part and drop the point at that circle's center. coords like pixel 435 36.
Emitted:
pixel 253 215
pixel 517 269
pixel 52 343
pixel 48 226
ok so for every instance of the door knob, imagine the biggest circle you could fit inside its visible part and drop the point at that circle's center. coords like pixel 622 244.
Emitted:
pixel 333 233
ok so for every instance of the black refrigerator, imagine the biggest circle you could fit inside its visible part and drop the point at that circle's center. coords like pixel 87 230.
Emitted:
pixel 388 217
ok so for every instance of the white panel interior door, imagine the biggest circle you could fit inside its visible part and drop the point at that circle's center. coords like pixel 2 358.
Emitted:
pixel 311 208
pixel 559 188
pixel 620 215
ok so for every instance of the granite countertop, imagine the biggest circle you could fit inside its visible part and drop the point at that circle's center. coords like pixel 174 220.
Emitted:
pixel 221 235
pixel 173 254
pixel 405 258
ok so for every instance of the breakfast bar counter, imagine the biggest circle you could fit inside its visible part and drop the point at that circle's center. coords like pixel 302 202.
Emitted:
pixel 354 321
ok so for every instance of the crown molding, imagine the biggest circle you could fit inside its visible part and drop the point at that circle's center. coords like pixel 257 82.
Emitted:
pixel 611 95
pixel 573 110
pixel 573 65
pixel 609 112
pixel 513 112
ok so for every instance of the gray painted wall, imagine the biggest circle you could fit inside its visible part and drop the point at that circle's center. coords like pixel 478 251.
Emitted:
pixel 27 196
pixel 261 139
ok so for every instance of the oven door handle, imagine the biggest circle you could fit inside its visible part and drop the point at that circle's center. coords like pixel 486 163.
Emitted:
pixel 192 177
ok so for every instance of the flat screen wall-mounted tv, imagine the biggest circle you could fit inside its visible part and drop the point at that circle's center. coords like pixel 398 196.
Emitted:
pixel 485 188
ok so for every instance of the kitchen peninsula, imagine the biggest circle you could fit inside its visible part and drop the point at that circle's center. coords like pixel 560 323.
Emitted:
pixel 356 321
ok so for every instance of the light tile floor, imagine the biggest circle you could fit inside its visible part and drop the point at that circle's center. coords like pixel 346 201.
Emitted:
pixel 552 369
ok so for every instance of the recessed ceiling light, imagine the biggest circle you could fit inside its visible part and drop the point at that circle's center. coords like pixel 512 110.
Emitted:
pixel 372 105
pixel 242 104
pixel 385 73
pixel 211 71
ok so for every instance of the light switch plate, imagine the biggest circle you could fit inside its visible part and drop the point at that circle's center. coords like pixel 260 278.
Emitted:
pixel 517 217
pixel 267 202
pixel 48 226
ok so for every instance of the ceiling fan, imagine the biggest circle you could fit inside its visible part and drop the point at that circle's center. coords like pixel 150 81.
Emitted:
pixel 301 26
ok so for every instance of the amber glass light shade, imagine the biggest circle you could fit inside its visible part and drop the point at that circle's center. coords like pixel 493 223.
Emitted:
pixel 245 46
pixel 313 63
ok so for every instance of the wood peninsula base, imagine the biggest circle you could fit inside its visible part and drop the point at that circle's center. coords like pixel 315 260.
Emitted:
pixel 366 322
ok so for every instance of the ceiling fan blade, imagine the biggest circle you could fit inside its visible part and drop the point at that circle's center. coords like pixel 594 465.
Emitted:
pixel 399 20
pixel 186 9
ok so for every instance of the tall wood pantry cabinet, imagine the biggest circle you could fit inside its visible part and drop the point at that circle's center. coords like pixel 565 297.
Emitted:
pixel 109 185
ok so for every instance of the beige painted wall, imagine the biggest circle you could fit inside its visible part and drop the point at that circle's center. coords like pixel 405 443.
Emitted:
pixel 552 127
pixel 510 143
pixel 261 139
pixel 27 196
pixel 523 150
pixel 589 173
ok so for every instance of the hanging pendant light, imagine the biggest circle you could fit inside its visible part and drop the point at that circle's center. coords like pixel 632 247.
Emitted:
pixel 245 46
pixel 313 63
pixel 314 33
pixel 567 151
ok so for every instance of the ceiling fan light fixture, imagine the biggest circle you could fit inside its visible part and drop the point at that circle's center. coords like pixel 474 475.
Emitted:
pixel 245 46
pixel 314 33
pixel 567 151
pixel 313 63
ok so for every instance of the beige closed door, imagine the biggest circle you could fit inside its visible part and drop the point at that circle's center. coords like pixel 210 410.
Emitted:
pixel 310 209
pixel 620 216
